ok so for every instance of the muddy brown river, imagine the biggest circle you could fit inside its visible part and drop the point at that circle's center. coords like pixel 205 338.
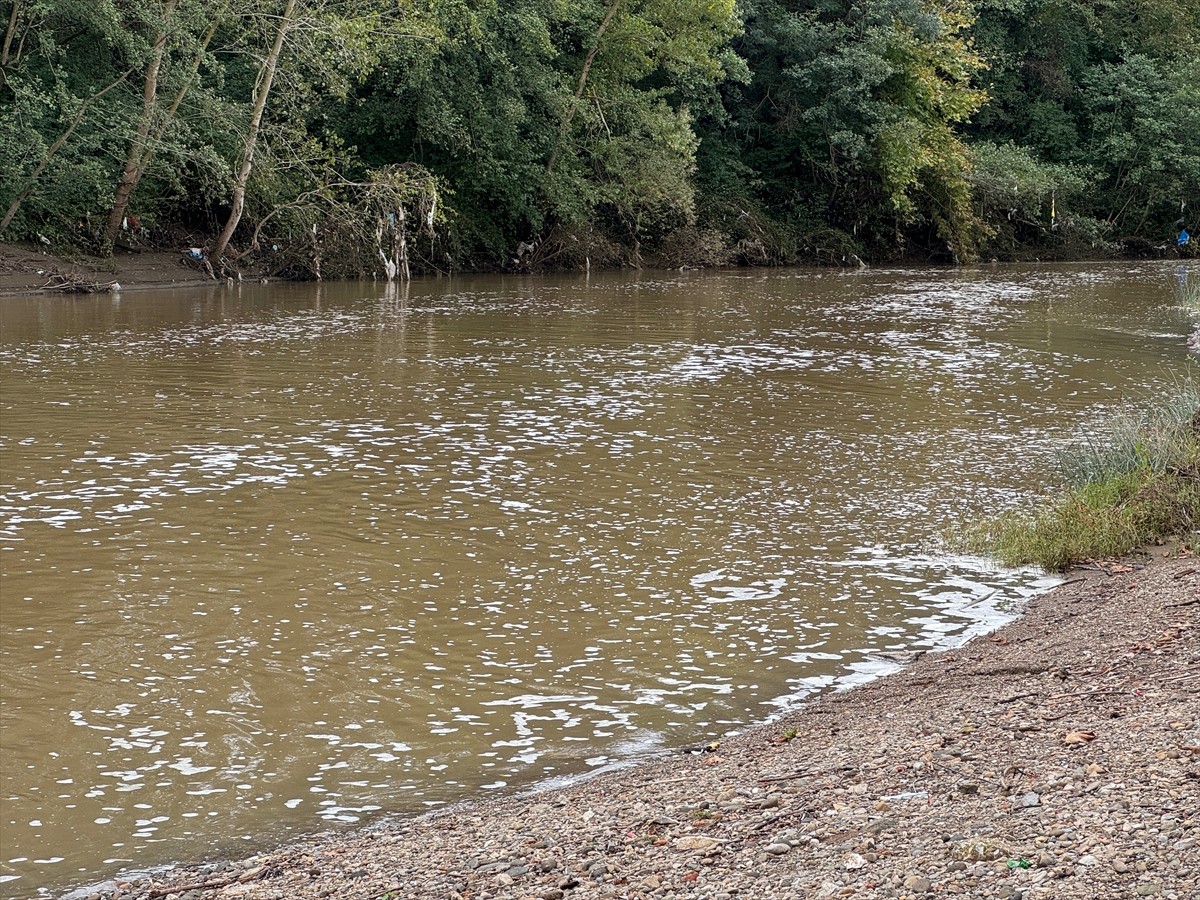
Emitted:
pixel 278 559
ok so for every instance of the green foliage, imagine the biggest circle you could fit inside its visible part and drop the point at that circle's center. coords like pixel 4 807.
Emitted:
pixel 768 132
pixel 851 122
pixel 1137 483
pixel 1109 91
pixel 1006 177
pixel 62 55
pixel 1143 117
pixel 1027 201
pixel 500 108
pixel 921 160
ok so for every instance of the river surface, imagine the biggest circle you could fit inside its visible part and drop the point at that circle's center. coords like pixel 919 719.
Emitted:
pixel 283 558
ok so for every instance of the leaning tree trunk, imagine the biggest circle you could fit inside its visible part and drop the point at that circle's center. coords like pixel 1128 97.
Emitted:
pixel 267 76
pixel 138 146
pixel 13 17
pixel 565 126
pixel 184 86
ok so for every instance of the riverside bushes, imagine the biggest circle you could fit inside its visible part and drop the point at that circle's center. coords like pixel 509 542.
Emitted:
pixel 676 132
pixel 1137 483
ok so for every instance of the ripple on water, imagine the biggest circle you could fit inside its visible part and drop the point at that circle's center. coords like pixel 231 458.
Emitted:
pixel 269 566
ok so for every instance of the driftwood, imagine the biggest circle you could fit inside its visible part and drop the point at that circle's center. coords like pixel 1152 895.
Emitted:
pixel 209 885
pixel 74 283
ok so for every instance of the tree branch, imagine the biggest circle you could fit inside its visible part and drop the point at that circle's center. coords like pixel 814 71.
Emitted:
pixel 55 147
pixel 565 126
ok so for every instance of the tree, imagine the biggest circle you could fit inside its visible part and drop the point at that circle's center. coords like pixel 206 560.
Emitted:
pixel 153 122
pixel 52 151
pixel 850 129
pixel 922 161
pixel 65 71
pixel 262 90
pixel 1143 119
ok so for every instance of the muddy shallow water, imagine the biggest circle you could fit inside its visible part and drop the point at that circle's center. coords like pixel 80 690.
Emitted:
pixel 285 557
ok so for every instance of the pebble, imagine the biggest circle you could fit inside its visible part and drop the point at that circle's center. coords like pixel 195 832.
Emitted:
pixel 698 843
pixel 918 883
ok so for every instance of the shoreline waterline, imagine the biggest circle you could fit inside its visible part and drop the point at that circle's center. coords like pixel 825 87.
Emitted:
pixel 1022 746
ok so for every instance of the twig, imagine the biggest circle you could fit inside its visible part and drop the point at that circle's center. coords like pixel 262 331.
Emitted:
pixel 1095 693
pixel 1191 602
pixel 211 884
pixel 787 813
pixel 671 781
pixel 788 777
pixel 1016 697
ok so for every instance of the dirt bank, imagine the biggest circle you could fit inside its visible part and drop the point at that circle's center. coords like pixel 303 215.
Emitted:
pixel 1058 757
pixel 26 270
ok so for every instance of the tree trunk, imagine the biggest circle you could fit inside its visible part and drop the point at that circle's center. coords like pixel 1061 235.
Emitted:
pixel 403 245
pixel 184 86
pixel 55 147
pixel 565 126
pixel 139 146
pixel 10 32
pixel 267 76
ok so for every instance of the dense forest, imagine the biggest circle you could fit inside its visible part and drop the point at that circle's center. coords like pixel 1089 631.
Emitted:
pixel 329 138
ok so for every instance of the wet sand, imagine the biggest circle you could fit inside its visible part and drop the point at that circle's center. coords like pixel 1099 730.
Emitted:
pixel 26 270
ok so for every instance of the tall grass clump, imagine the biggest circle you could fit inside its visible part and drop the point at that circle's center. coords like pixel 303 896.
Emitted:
pixel 1189 294
pixel 1136 483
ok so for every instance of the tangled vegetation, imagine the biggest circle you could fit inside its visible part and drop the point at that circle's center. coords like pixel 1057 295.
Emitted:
pixel 1136 483
pixel 336 136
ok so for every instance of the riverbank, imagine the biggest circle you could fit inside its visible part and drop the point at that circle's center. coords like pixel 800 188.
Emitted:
pixel 26 270
pixel 1058 757
pixel 29 270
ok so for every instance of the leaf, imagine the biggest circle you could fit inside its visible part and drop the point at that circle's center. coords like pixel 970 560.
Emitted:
pixel 1079 737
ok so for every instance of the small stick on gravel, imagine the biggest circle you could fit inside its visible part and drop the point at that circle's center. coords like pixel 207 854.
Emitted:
pixel 769 778
pixel 243 878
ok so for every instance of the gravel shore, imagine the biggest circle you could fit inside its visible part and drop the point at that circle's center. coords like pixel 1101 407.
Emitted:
pixel 1058 757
